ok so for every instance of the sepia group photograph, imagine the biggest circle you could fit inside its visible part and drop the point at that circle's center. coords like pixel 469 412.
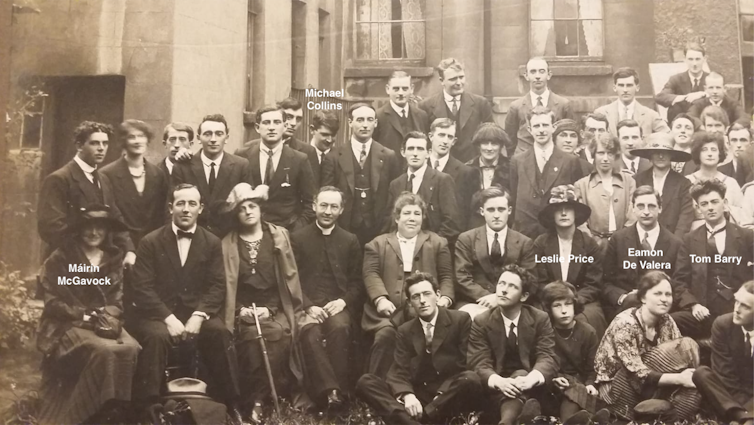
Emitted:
pixel 376 212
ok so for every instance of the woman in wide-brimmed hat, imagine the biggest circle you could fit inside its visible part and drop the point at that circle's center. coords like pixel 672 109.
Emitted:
pixel 561 217
pixel 88 359
pixel 260 269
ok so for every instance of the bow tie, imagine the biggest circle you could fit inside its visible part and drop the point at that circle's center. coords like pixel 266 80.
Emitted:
pixel 187 235
pixel 488 167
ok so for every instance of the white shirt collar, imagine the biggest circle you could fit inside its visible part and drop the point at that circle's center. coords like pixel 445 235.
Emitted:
pixel 433 321
pixel 275 151
pixel 405 240
pixel 319 152
pixel 547 149
pixel 631 108
pixel 691 77
pixel 712 102
pixel 494 164
pixel 169 164
pixel 501 235
pixel 718 227
pixel 398 109
pixel 443 160
pixel 507 322
pixel 652 234
pixel 207 162
pixel 326 232
pixel 175 229
pixel 545 97
pixel 629 161
pixel 84 166
pixel 356 146
pixel 418 174
pixel 750 333
pixel 449 98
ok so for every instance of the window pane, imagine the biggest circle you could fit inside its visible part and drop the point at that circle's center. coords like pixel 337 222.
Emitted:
pixel 388 36
pixel 541 9
pixel 747 27
pixel 590 9
pixel 542 38
pixel 413 34
pixel 32 135
pixel 566 38
pixel 590 38
pixel 364 41
pixel 566 9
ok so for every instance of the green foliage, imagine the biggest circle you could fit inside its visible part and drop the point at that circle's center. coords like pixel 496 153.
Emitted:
pixel 18 316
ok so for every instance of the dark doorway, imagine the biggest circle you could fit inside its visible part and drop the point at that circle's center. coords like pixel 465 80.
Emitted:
pixel 77 99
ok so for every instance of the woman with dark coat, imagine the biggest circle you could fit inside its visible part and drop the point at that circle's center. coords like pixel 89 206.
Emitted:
pixel 88 360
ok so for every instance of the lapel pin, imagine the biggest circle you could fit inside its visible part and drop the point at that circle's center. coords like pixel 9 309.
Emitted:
pixel 555 169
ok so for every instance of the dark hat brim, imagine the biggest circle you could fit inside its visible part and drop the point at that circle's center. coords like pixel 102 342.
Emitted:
pixel 581 213
pixel 675 156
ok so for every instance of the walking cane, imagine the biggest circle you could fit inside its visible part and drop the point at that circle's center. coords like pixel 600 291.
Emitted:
pixel 266 359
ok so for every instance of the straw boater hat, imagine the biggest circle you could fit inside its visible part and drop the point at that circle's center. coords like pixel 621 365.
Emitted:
pixel 661 142
pixel 243 192
pixel 561 196
pixel 97 213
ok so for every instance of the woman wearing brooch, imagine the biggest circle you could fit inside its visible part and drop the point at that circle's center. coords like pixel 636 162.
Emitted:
pixel 89 360
pixel 561 217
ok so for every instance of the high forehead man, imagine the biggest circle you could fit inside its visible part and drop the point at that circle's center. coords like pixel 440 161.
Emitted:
pixel 175 136
pixel 631 137
pixel 76 185
pixel 714 86
pixel 538 75
pixel 467 109
pixel 399 117
pixel 684 88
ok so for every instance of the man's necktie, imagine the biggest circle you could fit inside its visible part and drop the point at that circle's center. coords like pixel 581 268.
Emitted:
pixel 363 155
pixel 455 106
pixel 410 182
pixel 428 337
pixel 633 167
pixel 625 113
pixel 539 101
pixel 748 345
pixel 187 235
pixel 403 113
pixel 495 252
pixel 437 164
pixel 512 339
pixel 269 171
pixel 695 87
pixel 543 163
pixel 212 176
pixel 645 242
pixel 711 243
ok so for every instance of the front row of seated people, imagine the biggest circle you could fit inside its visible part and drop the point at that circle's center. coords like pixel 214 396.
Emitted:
pixel 437 363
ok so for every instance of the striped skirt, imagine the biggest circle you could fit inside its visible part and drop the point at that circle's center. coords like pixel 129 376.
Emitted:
pixel 624 392
pixel 83 373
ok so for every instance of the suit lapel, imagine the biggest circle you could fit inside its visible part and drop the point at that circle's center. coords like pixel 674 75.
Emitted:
pixel 394 120
pixel 426 190
pixel 198 169
pixel 529 163
pixel 284 168
pixel 417 336
pixel 482 251
pixel 663 242
pixel 467 107
pixel 525 337
pixel 612 114
pixel 497 334
pixel 345 159
pixel 553 169
pixel 441 329
pixel 170 246
pixel 440 108
pixel 377 163
pixel 253 157
pixel 224 172
pixel 195 251
pixel 150 177
pixel 420 239
pixel 392 240
pixel 86 187
pixel 125 181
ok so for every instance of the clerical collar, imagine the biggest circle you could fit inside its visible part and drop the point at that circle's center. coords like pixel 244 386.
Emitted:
pixel 327 231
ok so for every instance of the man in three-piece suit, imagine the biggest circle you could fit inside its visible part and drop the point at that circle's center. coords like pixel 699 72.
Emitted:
pixel 647 237
pixel 76 185
pixel 535 172
pixel 712 282
pixel 442 134
pixel 729 385
pixel 213 171
pixel 677 210
pixel 481 253
pixel 468 110
pixel 714 86
pixel 286 171
pixel 435 188
pixel 398 117
pixel 362 169
pixel 630 137
pixel 142 198
pixel 428 381
pixel 329 263
pixel 684 88
pixel 626 84
pixel 739 139
pixel 176 293
pixel 176 136
pixel 323 129
pixel 512 348
pixel 516 122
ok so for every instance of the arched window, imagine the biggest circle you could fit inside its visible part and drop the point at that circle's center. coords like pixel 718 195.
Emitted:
pixel 390 29
pixel 566 28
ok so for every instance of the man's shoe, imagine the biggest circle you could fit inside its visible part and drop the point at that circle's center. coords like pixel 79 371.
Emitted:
pixel 335 401
pixel 602 417
pixel 257 414
pixel 582 417
pixel 473 418
pixel 530 410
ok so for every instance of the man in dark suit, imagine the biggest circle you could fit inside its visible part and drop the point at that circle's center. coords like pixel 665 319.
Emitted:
pixel 176 293
pixel 76 185
pixel 630 137
pixel 323 129
pixel 677 210
pixel 435 188
pixel 683 89
pixel 535 172
pixel 286 171
pixel 512 348
pixel 714 86
pixel 176 137
pixel 363 170
pixel 739 138
pixel 481 253
pixel 719 260
pixel 729 385
pixel 442 134
pixel 468 110
pixel 428 380
pixel 213 171
pixel 142 188
pixel 633 251
pixel 398 117
pixel 329 262
pixel 516 122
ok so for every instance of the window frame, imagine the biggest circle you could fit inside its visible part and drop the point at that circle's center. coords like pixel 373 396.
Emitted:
pixel 388 61
pixel 556 58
